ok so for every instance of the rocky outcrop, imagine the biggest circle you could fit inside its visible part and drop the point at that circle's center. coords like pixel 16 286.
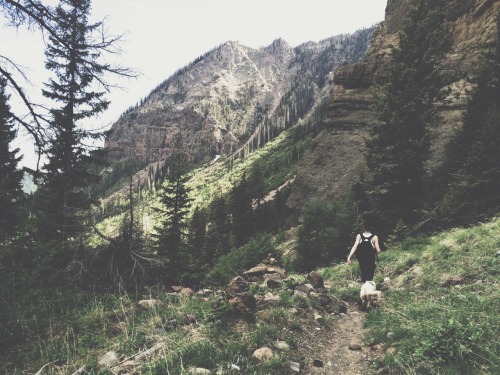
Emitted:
pixel 336 161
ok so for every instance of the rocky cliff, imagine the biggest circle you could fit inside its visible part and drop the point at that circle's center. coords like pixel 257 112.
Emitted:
pixel 336 161
pixel 231 96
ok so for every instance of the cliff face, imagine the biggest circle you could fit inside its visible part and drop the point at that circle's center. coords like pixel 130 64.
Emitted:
pixel 231 97
pixel 472 24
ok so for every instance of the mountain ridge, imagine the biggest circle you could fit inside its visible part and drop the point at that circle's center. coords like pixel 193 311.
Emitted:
pixel 214 105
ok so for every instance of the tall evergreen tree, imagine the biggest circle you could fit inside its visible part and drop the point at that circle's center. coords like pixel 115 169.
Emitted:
pixel 73 57
pixel 242 211
pixel 10 175
pixel 171 235
pixel 398 148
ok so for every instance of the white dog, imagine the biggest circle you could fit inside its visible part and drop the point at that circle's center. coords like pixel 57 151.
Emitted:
pixel 369 294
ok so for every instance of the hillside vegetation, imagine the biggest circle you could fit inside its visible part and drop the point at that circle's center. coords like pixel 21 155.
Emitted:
pixel 440 313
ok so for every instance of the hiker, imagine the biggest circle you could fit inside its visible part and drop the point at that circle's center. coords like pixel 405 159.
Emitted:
pixel 366 247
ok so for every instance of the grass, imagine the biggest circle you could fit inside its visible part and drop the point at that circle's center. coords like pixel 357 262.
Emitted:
pixel 426 320
pixel 425 323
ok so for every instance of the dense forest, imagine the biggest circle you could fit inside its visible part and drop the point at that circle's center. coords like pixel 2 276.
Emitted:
pixel 165 232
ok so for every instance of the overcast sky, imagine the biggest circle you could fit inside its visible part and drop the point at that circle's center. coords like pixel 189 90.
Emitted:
pixel 162 36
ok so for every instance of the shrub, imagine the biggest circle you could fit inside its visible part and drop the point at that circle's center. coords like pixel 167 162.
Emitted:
pixel 239 260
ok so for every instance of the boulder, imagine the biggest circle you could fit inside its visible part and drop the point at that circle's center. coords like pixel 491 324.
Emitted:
pixel 199 371
pixel 305 288
pixel 262 354
pixel 108 360
pixel 186 292
pixel 237 286
pixel 316 280
pixel 244 305
pixel 148 304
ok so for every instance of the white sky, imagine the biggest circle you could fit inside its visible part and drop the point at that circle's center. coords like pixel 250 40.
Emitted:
pixel 162 36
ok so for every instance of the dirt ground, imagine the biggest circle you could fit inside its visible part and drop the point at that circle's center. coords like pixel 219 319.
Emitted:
pixel 337 347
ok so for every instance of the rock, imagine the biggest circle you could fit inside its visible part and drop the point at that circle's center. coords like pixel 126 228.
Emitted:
pixel 186 292
pixel 269 300
pixel 294 366
pixel 316 280
pixel 317 317
pixel 237 286
pixel 282 345
pixel 244 305
pixel 199 371
pixel 235 367
pixel 273 280
pixel 108 360
pixel 305 288
pixel 498 253
pixel 148 304
pixel 262 354
pixel 455 280
pixel 354 346
pixel 176 288
pixel 318 363
pixel 300 293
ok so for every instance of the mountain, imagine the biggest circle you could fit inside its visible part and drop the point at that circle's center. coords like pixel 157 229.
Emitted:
pixel 233 98
pixel 335 161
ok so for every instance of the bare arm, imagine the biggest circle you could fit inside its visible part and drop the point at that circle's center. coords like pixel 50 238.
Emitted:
pixel 353 250
pixel 377 246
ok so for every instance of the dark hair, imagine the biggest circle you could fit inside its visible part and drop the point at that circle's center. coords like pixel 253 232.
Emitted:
pixel 368 226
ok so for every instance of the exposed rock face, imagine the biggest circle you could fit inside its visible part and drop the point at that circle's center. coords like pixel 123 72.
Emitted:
pixel 335 161
pixel 225 99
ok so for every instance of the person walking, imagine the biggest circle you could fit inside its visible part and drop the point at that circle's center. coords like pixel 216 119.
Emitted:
pixel 365 247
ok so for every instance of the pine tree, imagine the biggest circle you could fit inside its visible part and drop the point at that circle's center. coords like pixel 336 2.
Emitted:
pixel 170 239
pixel 198 254
pixel 73 58
pixel 398 148
pixel 242 211
pixel 10 175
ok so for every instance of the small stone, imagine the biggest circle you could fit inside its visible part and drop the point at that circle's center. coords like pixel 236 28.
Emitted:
pixel 148 304
pixel 455 280
pixel 317 317
pixel 199 371
pixel 294 366
pixel 262 354
pixel 235 367
pixel 318 363
pixel 108 360
pixel 282 345
pixel 186 292
pixel 354 346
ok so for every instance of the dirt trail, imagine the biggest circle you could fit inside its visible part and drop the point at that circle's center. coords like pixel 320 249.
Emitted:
pixel 331 346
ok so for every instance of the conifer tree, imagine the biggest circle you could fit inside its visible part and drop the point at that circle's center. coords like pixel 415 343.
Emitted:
pixel 242 211
pixel 398 148
pixel 73 56
pixel 219 229
pixel 170 239
pixel 198 254
pixel 10 175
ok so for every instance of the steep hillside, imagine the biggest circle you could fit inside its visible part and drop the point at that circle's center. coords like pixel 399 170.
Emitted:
pixel 233 99
pixel 323 173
